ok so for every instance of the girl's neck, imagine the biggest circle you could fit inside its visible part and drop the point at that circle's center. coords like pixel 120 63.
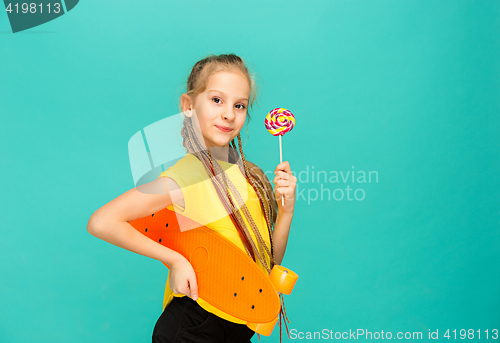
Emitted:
pixel 220 153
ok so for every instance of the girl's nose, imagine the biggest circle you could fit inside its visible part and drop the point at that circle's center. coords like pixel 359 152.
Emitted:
pixel 228 115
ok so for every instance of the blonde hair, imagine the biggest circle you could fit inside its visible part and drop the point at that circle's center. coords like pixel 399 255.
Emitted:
pixel 196 84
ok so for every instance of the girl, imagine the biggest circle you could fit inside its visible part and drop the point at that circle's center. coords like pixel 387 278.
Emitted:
pixel 219 91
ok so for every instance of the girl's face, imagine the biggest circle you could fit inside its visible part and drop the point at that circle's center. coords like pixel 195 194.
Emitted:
pixel 221 109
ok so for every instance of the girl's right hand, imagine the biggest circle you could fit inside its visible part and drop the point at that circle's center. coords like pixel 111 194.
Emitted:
pixel 182 278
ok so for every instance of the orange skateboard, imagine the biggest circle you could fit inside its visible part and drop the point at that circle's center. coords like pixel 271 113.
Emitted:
pixel 227 277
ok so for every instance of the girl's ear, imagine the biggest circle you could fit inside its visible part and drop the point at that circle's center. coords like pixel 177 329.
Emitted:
pixel 186 105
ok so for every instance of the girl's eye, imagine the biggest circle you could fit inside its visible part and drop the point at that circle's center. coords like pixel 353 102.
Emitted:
pixel 218 101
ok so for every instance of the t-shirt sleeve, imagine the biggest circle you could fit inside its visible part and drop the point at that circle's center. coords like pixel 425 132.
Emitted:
pixel 197 190
pixel 175 174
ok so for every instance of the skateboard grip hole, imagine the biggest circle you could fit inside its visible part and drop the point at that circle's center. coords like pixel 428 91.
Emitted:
pixel 260 290
pixel 243 278
pixel 146 230
pixel 235 294
pixel 160 240
pixel 199 258
pixel 153 215
pixel 166 225
pixel 253 307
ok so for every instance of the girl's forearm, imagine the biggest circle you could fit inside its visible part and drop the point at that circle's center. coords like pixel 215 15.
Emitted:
pixel 125 236
pixel 280 235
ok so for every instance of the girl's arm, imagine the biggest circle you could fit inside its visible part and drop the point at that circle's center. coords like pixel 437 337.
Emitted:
pixel 110 223
pixel 280 234
pixel 285 184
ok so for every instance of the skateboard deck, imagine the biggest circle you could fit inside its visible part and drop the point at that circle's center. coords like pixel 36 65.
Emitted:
pixel 227 277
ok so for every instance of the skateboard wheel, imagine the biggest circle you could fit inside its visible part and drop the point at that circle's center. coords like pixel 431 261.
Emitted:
pixel 263 328
pixel 283 279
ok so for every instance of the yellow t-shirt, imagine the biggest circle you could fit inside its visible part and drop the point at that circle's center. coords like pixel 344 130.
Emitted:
pixel 203 205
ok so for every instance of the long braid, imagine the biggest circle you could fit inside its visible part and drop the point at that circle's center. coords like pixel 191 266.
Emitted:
pixel 230 207
pixel 252 181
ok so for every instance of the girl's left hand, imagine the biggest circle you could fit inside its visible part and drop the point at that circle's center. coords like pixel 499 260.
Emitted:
pixel 284 186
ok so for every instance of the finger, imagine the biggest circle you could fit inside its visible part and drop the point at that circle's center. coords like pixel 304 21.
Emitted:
pixel 282 183
pixel 185 289
pixel 276 181
pixel 278 197
pixel 194 287
pixel 285 166
pixel 279 192
pixel 281 175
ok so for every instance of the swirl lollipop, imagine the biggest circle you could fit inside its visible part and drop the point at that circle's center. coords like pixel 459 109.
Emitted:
pixel 278 122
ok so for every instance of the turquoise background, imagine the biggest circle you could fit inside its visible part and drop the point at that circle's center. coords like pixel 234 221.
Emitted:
pixel 409 89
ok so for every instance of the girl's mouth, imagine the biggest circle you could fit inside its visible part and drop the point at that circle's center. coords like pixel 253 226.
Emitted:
pixel 223 129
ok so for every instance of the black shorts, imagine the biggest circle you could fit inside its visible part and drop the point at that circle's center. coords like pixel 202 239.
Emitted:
pixel 184 320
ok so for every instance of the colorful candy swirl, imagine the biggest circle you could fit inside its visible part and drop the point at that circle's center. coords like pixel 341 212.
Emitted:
pixel 279 121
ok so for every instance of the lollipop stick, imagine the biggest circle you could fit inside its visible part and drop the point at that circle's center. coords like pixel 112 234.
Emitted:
pixel 281 155
pixel 281 161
